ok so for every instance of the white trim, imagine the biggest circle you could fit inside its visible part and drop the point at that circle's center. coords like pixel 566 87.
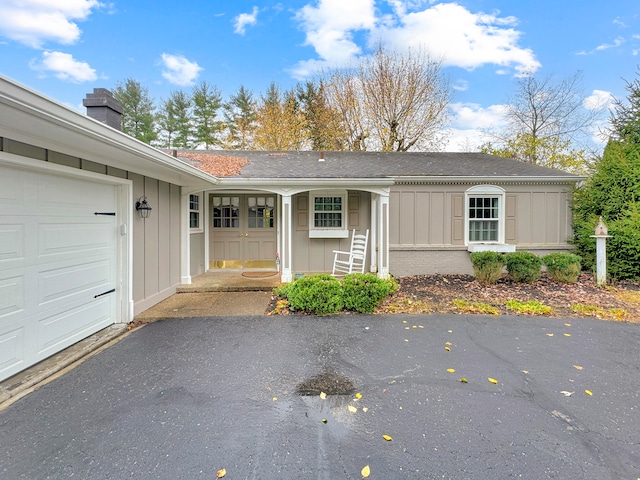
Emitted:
pixel 486 191
pixel 329 232
pixel 185 240
pixel 199 228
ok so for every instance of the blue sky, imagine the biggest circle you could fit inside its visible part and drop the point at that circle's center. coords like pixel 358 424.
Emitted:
pixel 65 48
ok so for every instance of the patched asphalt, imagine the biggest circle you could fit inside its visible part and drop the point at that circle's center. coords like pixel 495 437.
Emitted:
pixel 184 398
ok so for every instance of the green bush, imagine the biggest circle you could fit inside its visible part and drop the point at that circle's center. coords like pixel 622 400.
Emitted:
pixel 363 292
pixel 523 266
pixel 320 294
pixel 487 266
pixel 563 267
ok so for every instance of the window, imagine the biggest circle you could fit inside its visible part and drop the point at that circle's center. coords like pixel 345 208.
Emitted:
pixel 485 214
pixel 328 214
pixel 194 212
pixel 225 212
pixel 260 212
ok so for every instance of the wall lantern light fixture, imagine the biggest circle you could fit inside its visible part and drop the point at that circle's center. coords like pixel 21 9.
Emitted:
pixel 143 208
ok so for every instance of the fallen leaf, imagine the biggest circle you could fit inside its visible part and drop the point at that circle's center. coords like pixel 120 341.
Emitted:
pixel 387 438
pixel 384 390
pixel 566 394
pixel 221 473
pixel 549 334
pixel 275 399
pixel 567 324
pixel 447 349
pixel 449 331
pixel 525 371
pixel 365 472
pixel 323 395
pixel 448 343
pixel 493 380
pixel 451 370
pixel 365 409
pixel 358 396
pixel 588 392
pixel 414 326
pixel 352 409
pixel 464 380
pixel 324 420
pixel 577 367
pixel 567 334
pixel 404 321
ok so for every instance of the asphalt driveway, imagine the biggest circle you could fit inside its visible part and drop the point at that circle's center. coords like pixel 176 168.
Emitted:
pixel 182 399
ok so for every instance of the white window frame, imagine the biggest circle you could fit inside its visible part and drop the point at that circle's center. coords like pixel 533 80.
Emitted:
pixel 328 232
pixel 199 228
pixel 484 191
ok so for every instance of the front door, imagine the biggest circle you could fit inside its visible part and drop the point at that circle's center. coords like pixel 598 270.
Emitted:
pixel 243 231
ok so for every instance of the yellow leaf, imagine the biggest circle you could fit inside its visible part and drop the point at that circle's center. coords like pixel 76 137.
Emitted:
pixel 275 399
pixel 221 473
pixel 525 371
pixel 567 324
pixel 414 326
pixel 387 438
pixel 404 321
pixel 448 343
pixel 567 334
pixel 493 380
pixel 352 409
pixel 549 334
pixel 324 420
pixel 447 349
pixel 451 370
pixel 358 396
pixel 365 472
pixel 323 395
pixel 577 367
pixel 464 380
pixel 365 409
pixel 588 392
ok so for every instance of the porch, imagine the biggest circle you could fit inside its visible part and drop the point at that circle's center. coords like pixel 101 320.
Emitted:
pixel 232 280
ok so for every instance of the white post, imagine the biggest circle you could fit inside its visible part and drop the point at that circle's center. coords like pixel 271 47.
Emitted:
pixel 383 236
pixel 373 245
pixel 286 255
pixel 601 252
pixel 185 241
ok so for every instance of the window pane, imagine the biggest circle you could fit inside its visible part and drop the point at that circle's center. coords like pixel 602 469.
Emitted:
pixel 225 213
pixel 194 220
pixel 333 207
pixel 484 214
pixel 194 202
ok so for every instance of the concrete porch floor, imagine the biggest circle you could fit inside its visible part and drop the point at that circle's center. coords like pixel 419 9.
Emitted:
pixel 232 281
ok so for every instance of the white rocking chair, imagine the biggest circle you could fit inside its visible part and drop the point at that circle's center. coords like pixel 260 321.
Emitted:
pixel 352 261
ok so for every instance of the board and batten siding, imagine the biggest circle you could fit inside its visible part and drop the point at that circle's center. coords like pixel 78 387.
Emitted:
pixel 427 224
pixel 156 240
pixel 315 255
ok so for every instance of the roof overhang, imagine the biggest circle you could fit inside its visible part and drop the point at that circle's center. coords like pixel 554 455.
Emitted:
pixel 569 179
pixel 28 117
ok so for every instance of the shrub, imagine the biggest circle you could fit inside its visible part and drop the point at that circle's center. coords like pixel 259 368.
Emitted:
pixel 363 292
pixel 563 267
pixel 487 266
pixel 523 266
pixel 320 294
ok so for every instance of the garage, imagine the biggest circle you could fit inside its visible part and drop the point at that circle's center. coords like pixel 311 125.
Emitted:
pixel 59 257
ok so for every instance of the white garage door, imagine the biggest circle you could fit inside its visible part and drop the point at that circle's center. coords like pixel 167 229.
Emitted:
pixel 58 260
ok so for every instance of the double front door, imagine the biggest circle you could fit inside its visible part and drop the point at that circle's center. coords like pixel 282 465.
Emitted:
pixel 243 231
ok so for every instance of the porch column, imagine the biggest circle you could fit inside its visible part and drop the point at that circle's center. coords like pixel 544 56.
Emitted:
pixel 185 241
pixel 383 236
pixel 374 233
pixel 286 257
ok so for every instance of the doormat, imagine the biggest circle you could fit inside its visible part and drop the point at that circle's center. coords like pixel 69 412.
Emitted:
pixel 259 274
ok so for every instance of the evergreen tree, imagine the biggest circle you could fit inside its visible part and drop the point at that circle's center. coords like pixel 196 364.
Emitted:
pixel 207 100
pixel 138 110
pixel 240 117
pixel 174 121
pixel 322 123
pixel 625 120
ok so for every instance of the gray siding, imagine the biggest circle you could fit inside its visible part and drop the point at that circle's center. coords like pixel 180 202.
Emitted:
pixel 156 240
pixel 316 254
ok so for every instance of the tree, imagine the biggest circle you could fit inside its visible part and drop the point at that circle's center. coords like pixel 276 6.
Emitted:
pixel 207 100
pixel 280 122
pixel 625 119
pixel 240 116
pixel 322 123
pixel 391 101
pixel 174 120
pixel 138 110
pixel 546 120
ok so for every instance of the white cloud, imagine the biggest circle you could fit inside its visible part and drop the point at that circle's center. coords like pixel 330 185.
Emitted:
pixel 244 19
pixel 598 100
pixel 470 123
pixel 448 31
pixel 179 71
pixel 64 67
pixel 34 22
pixel 616 43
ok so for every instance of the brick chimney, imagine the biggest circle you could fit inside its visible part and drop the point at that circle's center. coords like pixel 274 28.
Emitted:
pixel 103 107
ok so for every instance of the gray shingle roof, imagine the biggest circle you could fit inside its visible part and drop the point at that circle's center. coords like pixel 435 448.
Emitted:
pixel 371 165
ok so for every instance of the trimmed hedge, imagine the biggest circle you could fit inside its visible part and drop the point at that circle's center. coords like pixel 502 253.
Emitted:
pixel 563 267
pixel 363 292
pixel 487 266
pixel 523 266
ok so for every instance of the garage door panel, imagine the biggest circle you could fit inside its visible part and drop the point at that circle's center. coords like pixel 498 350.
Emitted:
pixel 12 349
pixel 61 193
pixel 11 296
pixel 56 332
pixel 12 190
pixel 12 242
pixel 75 282
pixel 64 238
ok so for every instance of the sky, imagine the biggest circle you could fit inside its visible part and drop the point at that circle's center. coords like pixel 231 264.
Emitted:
pixel 65 48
